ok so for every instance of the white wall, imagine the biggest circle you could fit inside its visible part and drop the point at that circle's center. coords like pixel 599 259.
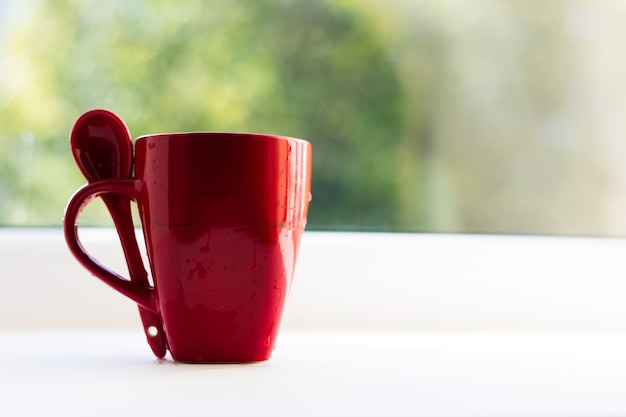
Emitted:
pixel 355 281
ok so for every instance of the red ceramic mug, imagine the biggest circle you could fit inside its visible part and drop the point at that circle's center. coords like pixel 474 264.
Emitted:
pixel 222 215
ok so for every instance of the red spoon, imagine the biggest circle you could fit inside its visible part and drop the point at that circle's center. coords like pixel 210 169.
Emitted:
pixel 102 148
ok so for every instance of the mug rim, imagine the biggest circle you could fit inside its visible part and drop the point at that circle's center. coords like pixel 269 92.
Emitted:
pixel 216 133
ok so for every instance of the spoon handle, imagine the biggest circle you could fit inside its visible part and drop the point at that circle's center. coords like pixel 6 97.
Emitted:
pixel 119 207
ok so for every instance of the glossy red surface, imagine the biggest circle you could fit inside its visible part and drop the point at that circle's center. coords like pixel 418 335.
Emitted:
pixel 223 215
pixel 101 145
pixel 102 148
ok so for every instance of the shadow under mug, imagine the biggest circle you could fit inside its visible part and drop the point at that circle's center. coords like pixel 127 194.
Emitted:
pixel 222 216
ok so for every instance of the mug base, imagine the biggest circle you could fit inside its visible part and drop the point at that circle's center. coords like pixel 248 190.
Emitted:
pixel 222 355
pixel 212 360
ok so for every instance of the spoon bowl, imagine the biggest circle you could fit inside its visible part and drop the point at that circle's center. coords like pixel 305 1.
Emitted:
pixel 101 146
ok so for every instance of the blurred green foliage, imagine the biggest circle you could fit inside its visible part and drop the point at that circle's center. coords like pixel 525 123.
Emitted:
pixel 429 115
pixel 301 68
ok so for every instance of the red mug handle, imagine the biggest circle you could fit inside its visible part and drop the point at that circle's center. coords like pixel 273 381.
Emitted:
pixel 141 294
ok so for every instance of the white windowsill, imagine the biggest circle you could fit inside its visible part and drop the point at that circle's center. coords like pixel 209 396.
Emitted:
pixel 376 324
pixel 108 373
pixel 356 281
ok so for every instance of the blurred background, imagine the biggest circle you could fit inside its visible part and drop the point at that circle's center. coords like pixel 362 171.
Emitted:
pixel 481 116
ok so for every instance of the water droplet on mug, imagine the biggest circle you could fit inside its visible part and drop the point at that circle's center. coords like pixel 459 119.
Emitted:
pixel 153 331
pixel 310 196
pixel 151 145
pixel 276 286
pixel 267 341
pixel 255 268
